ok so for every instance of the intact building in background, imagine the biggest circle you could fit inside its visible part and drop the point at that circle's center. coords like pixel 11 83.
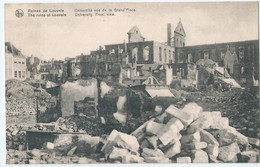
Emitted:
pixel 15 63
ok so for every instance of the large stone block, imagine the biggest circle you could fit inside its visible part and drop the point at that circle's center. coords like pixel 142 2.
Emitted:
pixel 219 123
pixel 83 160
pixel 203 122
pixel 248 156
pixel 157 160
pixel 230 135
pixel 216 114
pixel 34 161
pixel 49 145
pixel 118 153
pixel 152 153
pixel 165 147
pixel 184 117
pixel 153 141
pixel 110 142
pixel 167 135
pixel 36 152
pixel 153 128
pixel 194 109
pixel 128 141
pixel 87 144
pixel 213 159
pixel 254 141
pixel 175 122
pixel 226 137
pixel 183 160
pixel 145 144
pixel 229 153
pixel 212 149
pixel 122 140
pixel 15 132
pixel 199 156
pixel 140 132
pixel 132 159
pixel 173 150
pixel 84 142
pixel 195 137
pixel 208 138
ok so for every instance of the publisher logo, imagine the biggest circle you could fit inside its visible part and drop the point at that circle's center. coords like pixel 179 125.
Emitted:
pixel 19 13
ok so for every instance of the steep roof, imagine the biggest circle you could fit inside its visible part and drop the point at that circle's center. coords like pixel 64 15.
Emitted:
pixel 133 30
pixel 179 29
pixel 10 48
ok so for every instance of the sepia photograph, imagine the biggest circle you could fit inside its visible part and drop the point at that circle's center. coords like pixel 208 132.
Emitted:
pixel 132 82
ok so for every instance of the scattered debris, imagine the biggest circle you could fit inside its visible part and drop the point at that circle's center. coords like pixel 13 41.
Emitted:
pixel 167 133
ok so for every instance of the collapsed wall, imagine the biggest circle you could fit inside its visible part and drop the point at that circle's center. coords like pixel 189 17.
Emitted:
pixel 116 106
pixel 124 109
pixel 76 91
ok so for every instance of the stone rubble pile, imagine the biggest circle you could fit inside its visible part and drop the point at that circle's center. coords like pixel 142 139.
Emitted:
pixel 92 126
pixel 37 156
pixel 15 138
pixel 20 98
pixel 187 135
pixel 16 135
pixel 191 135
pixel 17 107
pixel 66 148
pixel 65 125
pixel 240 106
pixel 70 124
pixel 61 125
pixel 121 147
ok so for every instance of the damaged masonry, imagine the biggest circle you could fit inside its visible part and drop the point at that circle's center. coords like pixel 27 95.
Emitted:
pixel 153 131
pixel 135 102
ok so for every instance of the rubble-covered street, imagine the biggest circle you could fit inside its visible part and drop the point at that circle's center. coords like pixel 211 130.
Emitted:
pixel 193 127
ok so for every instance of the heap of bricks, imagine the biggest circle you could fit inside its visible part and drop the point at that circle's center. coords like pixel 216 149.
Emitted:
pixel 37 156
pixel 15 138
pixel 186 135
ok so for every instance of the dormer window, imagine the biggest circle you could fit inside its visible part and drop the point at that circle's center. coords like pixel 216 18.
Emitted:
pixel 136 32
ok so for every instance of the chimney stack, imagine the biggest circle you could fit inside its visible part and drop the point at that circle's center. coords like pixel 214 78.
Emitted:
pixel 169 34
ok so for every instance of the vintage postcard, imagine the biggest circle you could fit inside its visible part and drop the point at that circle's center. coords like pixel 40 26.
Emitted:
pixel 149 82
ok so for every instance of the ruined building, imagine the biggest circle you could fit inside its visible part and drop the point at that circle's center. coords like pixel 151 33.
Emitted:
pixel 178 40
pixel 133 62
pixel 241 59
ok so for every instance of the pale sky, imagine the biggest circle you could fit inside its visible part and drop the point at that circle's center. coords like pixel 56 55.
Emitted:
pixel 60 37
